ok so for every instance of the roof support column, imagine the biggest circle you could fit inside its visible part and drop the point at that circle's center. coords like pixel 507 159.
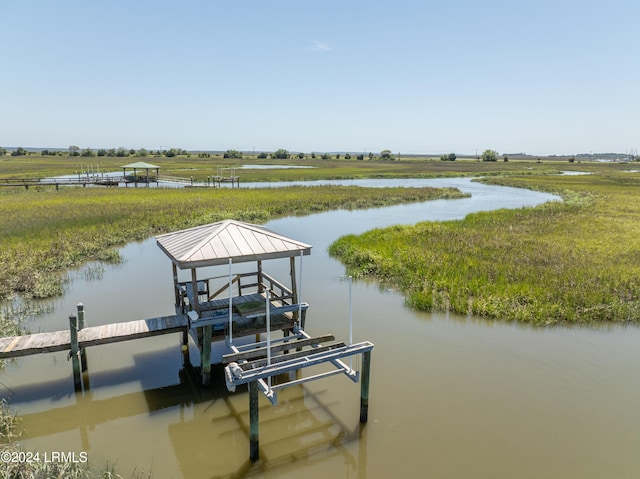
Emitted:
pixel 176 291
pixel 294 286
pixel 260 285
pixel 194 285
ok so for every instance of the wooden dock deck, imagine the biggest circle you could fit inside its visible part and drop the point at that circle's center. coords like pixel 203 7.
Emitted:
pixel 16 346
pixel 99 180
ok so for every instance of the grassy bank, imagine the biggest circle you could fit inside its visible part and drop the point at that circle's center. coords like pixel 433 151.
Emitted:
pixel 571 261
pixel 45 231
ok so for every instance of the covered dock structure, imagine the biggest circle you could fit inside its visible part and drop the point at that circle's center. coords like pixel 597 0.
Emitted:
pixel 141 166
pixel 252 302
pixel 230 304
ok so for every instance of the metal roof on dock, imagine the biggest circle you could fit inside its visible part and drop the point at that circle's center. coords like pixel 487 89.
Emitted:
pixel 216 243
pixel 141 165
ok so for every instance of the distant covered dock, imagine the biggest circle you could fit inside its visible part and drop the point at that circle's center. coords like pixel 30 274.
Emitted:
pixel 142 178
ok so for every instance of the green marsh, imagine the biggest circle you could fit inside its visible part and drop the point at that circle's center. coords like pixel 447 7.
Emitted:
pixel 571 261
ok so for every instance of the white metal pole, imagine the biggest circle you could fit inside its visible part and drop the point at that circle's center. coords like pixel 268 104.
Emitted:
pixel 268 306
pixel 350 313
pixel 300 291
pixel 350 321
pixel 230 305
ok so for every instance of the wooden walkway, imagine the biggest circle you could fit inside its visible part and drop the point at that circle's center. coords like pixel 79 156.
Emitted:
pixel 16 346
pixel 100 180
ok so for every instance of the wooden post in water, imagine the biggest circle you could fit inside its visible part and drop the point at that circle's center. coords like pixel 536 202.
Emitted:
pixel 75 361
pixel 184 346
pixel 364 387
pixel 207 332
pixel 254 450
pixel 83 352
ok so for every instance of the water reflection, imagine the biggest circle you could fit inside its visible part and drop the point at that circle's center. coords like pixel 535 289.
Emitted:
pixel 208 428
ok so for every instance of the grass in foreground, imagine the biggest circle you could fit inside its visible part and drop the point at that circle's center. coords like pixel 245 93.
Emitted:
pixel 45 231
pixel 571 261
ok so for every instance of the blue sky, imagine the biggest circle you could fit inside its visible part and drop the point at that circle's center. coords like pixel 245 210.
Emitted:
pixel 541 77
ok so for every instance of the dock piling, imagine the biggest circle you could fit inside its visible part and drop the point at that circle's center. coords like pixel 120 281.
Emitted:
pixel 364 387
pixel 81 324
pixel 75 360
pixel 184 346
pixel 206 355
pixel 254 450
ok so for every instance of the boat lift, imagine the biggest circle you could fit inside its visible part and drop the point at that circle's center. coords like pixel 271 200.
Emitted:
pixel 247 363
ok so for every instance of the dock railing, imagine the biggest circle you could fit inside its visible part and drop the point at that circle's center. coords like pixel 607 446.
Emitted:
pixel 246 283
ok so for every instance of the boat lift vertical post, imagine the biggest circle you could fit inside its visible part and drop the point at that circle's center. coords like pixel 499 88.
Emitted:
pixel 230 305
pixel 350 320
pixel 350 312
pixel 300 293
pixel 268 308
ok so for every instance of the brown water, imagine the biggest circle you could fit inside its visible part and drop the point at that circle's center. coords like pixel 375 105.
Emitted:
pixel 451 396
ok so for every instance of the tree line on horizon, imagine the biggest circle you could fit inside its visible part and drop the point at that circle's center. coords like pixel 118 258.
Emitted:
pixel 280 154
pixel 122 152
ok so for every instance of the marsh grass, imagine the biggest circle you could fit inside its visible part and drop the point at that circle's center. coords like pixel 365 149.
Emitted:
pixel 571 261
pixel 45 231
pixel 44 470
pixel 11 321
pixel 8 423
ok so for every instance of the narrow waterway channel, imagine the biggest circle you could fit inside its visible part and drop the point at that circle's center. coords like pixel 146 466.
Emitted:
pixel 451 396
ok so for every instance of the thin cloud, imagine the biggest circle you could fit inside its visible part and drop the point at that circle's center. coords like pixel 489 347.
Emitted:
pixel 320 47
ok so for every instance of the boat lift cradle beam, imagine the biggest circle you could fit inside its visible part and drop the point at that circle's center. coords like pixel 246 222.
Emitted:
pixel 241 371
pixel 235 375
pixel 259 378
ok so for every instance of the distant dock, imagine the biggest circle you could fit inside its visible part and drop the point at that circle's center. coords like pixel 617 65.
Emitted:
pixel 121 181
